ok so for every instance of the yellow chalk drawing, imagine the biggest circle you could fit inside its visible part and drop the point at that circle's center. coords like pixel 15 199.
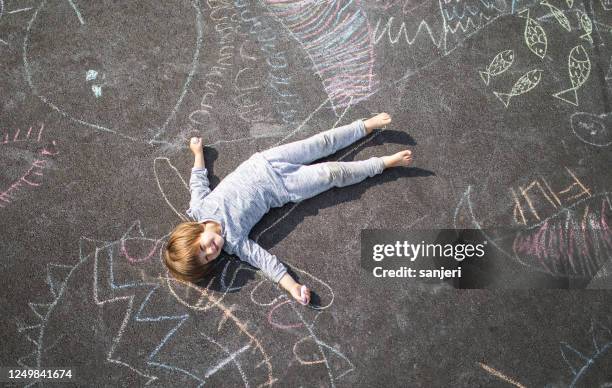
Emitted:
pixel 538 195
pixel 500 375
pixel 498 65
pixel 527 82
pixel 587 26
pixel 579 68
pixel 558 14
pixel 535 36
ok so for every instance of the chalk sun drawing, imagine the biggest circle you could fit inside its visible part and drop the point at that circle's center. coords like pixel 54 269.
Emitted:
pixel 527 82
pixel 559 15
pixel 273 300
pixel 587 26
pixel 590 369
pixel 109 301
pixel 534 35
pixel 592 129
pixel 579 69
pixel 574 242
pixel 63 92
pixel 30 154
pixel 336 36
pixel 498 65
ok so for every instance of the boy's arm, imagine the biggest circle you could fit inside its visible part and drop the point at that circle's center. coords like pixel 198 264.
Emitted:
pixel 251 252
pixel 199 186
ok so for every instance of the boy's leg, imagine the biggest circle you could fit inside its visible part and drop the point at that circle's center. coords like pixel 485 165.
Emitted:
pixel 318 146
pixel 306 181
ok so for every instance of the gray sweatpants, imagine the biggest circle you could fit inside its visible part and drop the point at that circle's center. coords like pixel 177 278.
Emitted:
pixel 305 181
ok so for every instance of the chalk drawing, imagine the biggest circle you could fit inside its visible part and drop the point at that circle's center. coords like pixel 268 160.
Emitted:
pixel 592 129
pixel 322 348
pixel 606 4
pixel 464 18
pixel 553 199
pixel 166 184
pixel 76 10
pixel 102 280
pixel 500 375
pixel 97 90
pixel 401 32
pixel 91 75
pixel 279 79
pixel 534 34
pixel 336 36
pixel 18 10
pixel 150 135
pixel 586 25
pixel 559 15
pixel 3 11
pixel 579 68
pixel 574 242
pixel 591 369
pixel 526 83
pixel 500 63
pixel 276 304
pixel 39 159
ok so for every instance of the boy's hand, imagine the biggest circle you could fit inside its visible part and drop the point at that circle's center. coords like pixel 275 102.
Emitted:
pixel 301 294
pixel 196 145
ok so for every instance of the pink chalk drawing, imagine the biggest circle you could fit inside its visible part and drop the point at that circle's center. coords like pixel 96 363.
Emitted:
pixel 575 241
pixel 138 323
pixel 337 37
pixel 27 145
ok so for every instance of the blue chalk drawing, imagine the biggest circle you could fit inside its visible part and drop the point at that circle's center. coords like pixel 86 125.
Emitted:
pixel 97 90
pixel 589 370
pixel 91 75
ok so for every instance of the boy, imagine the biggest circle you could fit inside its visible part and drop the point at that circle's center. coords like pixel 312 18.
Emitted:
pixel 271 178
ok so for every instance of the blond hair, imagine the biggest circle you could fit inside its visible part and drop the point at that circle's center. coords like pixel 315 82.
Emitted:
pixel 182 252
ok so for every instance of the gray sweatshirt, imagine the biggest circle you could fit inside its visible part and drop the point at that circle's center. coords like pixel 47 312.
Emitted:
pixel 237 203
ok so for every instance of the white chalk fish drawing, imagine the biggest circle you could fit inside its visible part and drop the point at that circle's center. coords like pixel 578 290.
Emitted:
pixel 570 3
pixel 535 36
pixel 579 68
pixel 586 25
pixel 524 84
pixel 498 65
pixel 558 14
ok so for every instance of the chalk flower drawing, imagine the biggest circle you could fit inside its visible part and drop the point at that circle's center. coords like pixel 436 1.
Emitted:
pixel 579 69
pixel 498 65
pixel 534 34
pixel 527 82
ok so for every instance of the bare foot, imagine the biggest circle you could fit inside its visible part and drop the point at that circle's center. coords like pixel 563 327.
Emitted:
pixel 380 120
pixel 402 158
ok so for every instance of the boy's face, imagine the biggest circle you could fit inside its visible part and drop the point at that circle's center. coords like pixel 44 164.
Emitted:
pixel 210 245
